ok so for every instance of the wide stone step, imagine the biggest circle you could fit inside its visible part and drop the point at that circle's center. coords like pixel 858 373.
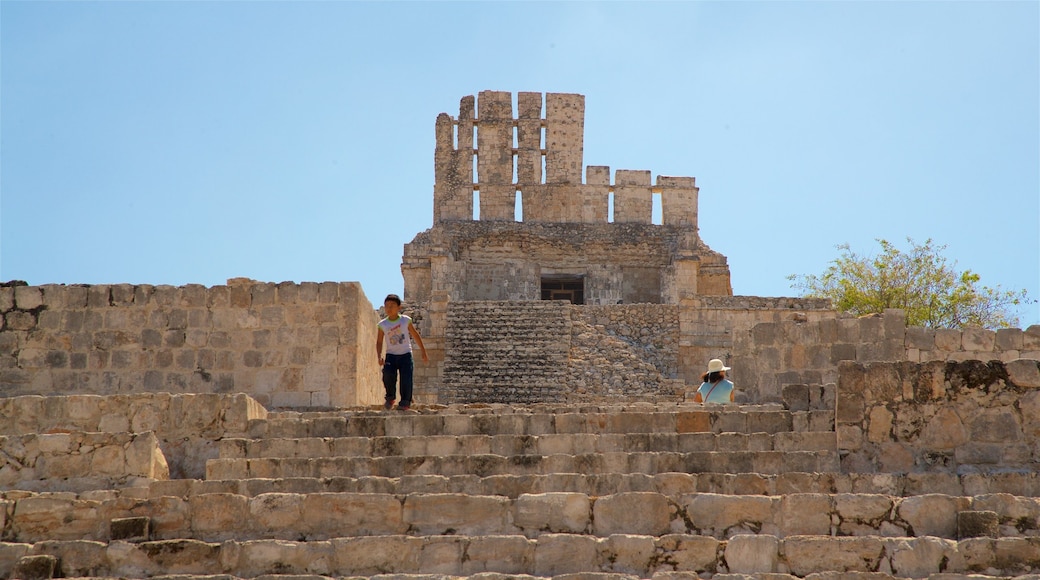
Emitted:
pixel 322 516
pixel 509 445
pixel 499 420
pixel 671 484
pixel 769 462
pixel 78 460
pixel 550 555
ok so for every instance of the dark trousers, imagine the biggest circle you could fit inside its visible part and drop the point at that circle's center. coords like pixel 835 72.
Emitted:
pixel 398 363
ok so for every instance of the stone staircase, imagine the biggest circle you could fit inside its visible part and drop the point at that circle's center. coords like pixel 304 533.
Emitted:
pixel 529 352
pixel 567 490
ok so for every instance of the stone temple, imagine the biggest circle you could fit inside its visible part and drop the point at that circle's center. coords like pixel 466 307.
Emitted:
pixel 237 431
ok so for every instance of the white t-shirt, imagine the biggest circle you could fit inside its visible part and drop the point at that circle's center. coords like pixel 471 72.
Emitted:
pixel 398 341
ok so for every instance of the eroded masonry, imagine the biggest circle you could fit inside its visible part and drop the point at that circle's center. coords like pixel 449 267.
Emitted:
pixel 542 232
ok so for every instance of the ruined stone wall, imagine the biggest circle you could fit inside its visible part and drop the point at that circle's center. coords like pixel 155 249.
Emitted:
pixel 651 329
pixel 952 344
pixel 617 263
pixel 506 173
pixel 800 348
pixel 720 326
pixel 287 344
pixel 187 427
pixel 951 417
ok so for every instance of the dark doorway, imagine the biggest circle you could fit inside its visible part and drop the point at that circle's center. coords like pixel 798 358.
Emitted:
pixel 564 288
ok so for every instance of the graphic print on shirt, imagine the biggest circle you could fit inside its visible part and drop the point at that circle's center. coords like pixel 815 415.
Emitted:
pixel 396 332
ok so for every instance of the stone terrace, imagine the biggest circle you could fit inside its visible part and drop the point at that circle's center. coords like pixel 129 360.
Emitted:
pixel 570 490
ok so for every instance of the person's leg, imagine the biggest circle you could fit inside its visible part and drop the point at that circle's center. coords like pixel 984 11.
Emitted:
pixel 406 380
pixel 390 379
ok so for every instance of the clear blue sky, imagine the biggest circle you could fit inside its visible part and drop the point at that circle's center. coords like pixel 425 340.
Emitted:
pixel 191 142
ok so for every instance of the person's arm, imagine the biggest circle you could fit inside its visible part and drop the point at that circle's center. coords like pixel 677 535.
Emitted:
pixel 418 339
pixel 379 346
pixel 414 333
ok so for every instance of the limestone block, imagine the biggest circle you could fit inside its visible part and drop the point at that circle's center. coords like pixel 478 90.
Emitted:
pixel 78 558
pixel 165 556
pixel 258 557
pixel 170 516
pixel 39 567
pixel 218 516
pixel 753 554
pixel 331 515
pixel 144 458
pixel 856 510
pixel 880 427
pixel 56 516
pixel 554 512
pixel 6 298
pixel 975 524
pixel 1024 372
pixel 932 514
pixel 948 339
pixel 628 554
pixel 556 554
pixel 688 553
pixel 920 557
pixel 805 514
pixel 944 431
pixel 641 513
pixel 130 529
pixel 978 340
pixel 368 556
pixel 442 555
pixel 805 555
pixel 278 512
pixel 10 554
pixel 28 297
pixel 457 513
pixel 18 320
pixel 721 515
pixel 502 554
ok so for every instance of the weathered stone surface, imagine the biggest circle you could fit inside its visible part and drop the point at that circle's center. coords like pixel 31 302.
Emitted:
pixel 975 524
pixel 636 513
pixel 475 515
pixel 753 554
pixel 932 514
pixel 40 567
pixel 722 516
pixel 1024 372
pixel 554 512
pixel 807 554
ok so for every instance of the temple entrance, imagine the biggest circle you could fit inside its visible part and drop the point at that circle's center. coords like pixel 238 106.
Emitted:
pixel 570 288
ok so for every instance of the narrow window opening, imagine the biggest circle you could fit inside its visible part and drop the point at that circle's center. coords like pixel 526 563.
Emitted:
pixel 563 287
pixel 541 146
pixel 476 205
pixel 455 136
pixel 610 207
pixel 656 215
pixel 518 207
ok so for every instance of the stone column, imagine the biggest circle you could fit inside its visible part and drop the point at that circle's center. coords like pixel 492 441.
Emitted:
pixel 633 197
pixel 453 167
pixel 564 137
pixel 495 156
pixel 529 139
pixel 596 195
pixel 678 201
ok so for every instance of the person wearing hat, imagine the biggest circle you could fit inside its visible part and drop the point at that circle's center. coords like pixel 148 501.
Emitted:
pixel 716 388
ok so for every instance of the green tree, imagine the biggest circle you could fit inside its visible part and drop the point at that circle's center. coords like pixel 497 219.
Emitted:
pixel 921 282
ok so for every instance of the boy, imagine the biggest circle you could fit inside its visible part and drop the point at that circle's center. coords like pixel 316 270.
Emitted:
pixel 397 328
